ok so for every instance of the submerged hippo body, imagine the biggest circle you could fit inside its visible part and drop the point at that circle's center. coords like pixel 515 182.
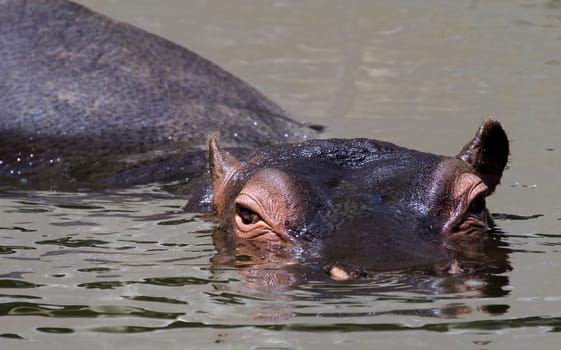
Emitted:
pixel 360 206
pixel 88 101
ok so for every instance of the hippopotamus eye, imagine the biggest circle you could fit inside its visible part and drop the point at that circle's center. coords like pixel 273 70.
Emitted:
pixel 478 204
pixel 247 215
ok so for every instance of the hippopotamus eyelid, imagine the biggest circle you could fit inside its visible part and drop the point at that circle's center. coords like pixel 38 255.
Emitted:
pixel 469 192
pixel 478 204
pixel 247 215
pixel 253 214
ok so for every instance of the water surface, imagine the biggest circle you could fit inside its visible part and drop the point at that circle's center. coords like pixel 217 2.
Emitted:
pixel 125 269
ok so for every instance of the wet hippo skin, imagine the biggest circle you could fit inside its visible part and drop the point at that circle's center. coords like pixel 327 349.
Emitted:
pixel 89 102
pixel 359 206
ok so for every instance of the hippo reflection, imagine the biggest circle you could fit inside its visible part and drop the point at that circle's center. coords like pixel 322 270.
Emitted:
pixel 360 205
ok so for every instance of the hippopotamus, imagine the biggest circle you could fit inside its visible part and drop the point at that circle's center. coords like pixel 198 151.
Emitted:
pixel 89 102
pixel 358 206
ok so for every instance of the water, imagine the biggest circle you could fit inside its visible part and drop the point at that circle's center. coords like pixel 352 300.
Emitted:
pixel 125 269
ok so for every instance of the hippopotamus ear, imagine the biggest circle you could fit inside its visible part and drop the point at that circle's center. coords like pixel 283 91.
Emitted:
pixel 487 153
pixel 222 166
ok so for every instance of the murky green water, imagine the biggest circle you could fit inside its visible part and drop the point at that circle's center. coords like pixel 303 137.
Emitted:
pixel 126 270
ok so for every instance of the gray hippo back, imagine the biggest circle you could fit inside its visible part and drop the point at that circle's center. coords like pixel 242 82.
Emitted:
pixel 85 98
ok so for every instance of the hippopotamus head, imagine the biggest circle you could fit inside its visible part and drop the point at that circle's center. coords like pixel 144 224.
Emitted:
pixel 359 205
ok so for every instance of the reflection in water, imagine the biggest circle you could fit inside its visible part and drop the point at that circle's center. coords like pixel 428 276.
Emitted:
pixel 137 272
pixel 553 323
pixel 267 271
pixel 264 267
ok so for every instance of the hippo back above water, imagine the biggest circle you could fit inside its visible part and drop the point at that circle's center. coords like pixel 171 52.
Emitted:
pixel 84 99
